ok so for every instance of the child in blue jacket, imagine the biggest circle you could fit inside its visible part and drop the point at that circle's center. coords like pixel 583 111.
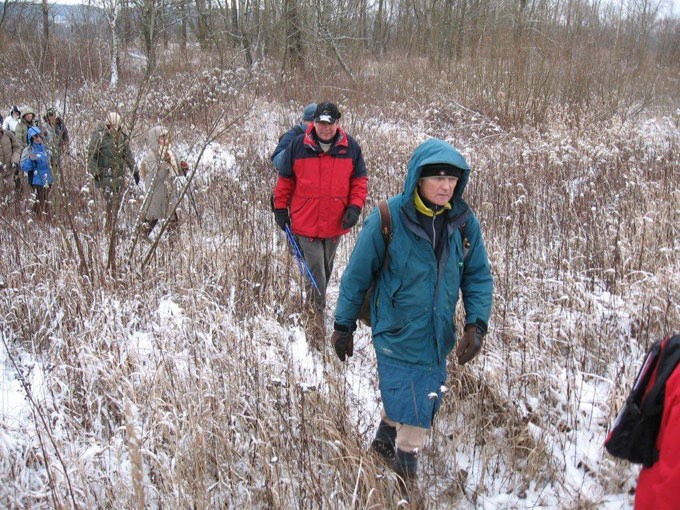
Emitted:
pixel 35 161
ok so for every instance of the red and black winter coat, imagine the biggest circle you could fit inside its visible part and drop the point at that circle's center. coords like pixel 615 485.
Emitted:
pixel 317 186
pixel 657 487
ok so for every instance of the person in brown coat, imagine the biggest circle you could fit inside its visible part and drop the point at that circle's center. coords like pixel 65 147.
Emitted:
pixel 160 168
pixel 10 153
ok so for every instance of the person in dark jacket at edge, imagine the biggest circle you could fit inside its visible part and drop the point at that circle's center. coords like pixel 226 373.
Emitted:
pixel 307 118
pixel 414 300
pixel 320 191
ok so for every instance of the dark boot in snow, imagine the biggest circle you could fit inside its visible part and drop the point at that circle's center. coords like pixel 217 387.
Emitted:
pixel 406 468
pixel 384 441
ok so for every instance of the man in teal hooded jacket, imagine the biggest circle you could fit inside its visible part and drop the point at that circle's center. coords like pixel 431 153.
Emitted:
pixel 436 251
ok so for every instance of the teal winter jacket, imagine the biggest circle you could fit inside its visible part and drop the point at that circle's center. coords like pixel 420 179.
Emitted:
pixel 415 297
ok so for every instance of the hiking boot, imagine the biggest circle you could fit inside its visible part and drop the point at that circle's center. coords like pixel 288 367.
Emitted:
pixel 384 441
pixel 406 467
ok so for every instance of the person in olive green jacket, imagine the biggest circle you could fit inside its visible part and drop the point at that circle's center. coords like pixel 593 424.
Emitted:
pixel 108 154
pixel 27 121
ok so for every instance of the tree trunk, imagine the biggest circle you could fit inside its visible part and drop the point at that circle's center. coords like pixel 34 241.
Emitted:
pixel 294 58
pixel 46 35
pixel 149 25
pixel 184 9
pixel 202 24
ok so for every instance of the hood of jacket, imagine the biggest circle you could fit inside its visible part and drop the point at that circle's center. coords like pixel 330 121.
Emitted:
pixel 430 152
pixel 25 111
pixel 152 136
pixel 32 131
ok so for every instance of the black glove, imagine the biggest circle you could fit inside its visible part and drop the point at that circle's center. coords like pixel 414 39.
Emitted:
pixel 343 342
pixel 351 216
pixel 282 218
pixel 136 176
pixel 470 344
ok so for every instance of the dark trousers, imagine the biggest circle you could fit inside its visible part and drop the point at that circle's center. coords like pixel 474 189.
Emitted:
pixel 41 196
pixel 319 255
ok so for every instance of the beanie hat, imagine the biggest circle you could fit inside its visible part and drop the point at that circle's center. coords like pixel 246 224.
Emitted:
pixel 327 112
pixel 113 120
pixel 15 110
pixel 308 112
pixel 440 170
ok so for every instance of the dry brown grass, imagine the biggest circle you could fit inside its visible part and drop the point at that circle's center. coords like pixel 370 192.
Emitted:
pixel 207 408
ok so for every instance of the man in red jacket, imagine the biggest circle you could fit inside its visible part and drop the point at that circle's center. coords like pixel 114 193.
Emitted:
pixel 320 191
pixel 657 487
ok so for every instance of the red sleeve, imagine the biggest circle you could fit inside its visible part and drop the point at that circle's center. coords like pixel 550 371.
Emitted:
pixel 358 191
pixel 283 192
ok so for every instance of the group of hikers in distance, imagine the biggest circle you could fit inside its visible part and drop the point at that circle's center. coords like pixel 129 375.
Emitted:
pixel 36 149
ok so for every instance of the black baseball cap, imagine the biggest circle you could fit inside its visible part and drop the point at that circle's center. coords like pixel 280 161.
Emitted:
pixel 326 112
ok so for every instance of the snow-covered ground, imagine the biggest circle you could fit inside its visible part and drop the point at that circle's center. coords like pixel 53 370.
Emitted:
pixel 116 403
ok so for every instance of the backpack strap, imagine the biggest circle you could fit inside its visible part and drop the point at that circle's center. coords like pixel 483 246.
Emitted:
pixel 385 221
pixel 465 241
pixel 386 232
pixel 461 222
pixel 385 228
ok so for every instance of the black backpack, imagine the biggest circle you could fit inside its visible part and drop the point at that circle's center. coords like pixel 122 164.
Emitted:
pixel 633 435
pixel 298 131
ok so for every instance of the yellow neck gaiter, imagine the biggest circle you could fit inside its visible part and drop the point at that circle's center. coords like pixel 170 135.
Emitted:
pixel 423 209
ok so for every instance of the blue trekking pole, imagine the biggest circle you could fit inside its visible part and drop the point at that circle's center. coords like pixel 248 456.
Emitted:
pixel 302 263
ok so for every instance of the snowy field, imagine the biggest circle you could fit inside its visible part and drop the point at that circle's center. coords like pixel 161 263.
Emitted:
pixel 190 383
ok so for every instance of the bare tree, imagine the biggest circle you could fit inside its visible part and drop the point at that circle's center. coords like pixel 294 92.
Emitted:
pixel 294 57
pixel 184 15
pixel 5 10
pixel 112 8
pixel 149 20
pixel 380 29
pixel 202 27
pixel 45 9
